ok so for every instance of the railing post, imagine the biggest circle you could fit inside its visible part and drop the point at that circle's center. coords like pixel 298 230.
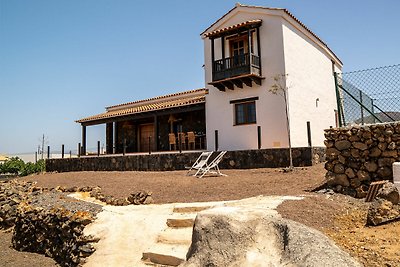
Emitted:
pixel 79 150
pixel 309 133
pixel 98 148
pixel 35 157
pixel 70 154
pixel 338 101
pixel 62 151
pixel 124 146
pixel 259 136
pixel 149 145
pixel 48 152
pixel 216 140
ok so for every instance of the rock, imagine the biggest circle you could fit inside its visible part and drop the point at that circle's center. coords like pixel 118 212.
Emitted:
pixel 382 211
pixel 389 153
pixel 342 144
pixel 386 162
pixel 371 166
pixel 375 152
pixel 332 152
pixel 363 176
pixel 232 236
pixel 350 173
pixel 338 168
pixel 361 191
pixel 337 179
pixel 384 172
pixel 391 146
pixel 359 145
pixel 389 192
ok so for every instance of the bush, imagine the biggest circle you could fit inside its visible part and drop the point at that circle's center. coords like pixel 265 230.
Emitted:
pixel 13 166
pixel 19 167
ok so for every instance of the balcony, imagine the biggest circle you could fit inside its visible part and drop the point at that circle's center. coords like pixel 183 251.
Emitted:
pixel 236 71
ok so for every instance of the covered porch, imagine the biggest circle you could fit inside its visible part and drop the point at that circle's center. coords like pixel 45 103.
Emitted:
pixel 165 123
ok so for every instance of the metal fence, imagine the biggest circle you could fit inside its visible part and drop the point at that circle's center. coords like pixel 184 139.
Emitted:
pixel 368 96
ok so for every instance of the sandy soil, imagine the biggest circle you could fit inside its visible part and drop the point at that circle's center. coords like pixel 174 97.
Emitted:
pixel 342 218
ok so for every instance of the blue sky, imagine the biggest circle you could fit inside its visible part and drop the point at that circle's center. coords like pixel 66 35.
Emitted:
pixel 64 60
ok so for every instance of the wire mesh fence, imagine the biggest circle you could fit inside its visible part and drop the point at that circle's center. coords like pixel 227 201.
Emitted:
pixel 369 96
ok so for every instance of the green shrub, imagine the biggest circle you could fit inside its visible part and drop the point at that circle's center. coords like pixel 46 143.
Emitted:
pixel 19 167
pixel 13 165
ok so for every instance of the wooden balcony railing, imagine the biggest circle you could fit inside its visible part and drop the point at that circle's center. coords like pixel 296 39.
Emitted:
pixel 236 66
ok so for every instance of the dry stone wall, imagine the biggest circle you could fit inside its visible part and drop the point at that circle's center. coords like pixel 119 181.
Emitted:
pixel 358 155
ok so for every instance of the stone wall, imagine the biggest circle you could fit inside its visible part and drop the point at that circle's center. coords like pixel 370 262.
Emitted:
pixel 358 155
pixel 245 159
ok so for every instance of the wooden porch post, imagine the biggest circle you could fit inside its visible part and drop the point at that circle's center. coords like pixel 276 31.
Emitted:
pixel 155 134
pixel 259 48
pixel 212 57
pixel 115 137
pixel 83 152
pixel 109 138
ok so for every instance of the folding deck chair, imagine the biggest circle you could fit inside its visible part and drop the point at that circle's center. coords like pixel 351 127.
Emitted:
pixel 212 167
pixel 200 163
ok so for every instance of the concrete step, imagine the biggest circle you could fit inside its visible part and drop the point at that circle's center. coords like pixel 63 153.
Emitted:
pixel 175 236
pixel 190 209
pixel 165 255
pixel 180 223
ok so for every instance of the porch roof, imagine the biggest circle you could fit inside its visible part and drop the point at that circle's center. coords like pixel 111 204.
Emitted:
pixel 231 29
pixel 181 99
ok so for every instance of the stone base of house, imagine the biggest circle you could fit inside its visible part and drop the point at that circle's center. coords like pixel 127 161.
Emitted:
pixel 242 159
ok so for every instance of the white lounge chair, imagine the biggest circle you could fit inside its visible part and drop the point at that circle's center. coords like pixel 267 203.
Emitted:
pixel 200 163
pixel 212 167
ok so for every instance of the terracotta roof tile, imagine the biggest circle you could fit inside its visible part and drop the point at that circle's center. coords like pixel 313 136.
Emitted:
pixel 187 98
pixel 234 27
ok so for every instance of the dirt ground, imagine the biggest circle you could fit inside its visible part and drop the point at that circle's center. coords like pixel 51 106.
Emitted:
pixel 340 217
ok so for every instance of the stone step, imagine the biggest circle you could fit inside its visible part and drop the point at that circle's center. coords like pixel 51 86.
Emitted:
pixel 175 236
pixel 180 223
pixel 165 255
pixel 190 209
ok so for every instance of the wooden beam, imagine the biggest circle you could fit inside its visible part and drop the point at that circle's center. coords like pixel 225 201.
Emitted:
pixel 256 80
pixel 229 85
pixel 238 83
pixel 219 86
pixel 247 81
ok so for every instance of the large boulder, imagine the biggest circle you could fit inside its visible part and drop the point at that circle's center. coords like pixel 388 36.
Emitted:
pixel 389 192
pixel 382 211
pixel 233 236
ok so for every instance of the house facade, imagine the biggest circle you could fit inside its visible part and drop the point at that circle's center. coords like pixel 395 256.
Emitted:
pixel 243 52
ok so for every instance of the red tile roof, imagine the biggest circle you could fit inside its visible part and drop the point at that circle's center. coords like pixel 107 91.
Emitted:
pixel 152 104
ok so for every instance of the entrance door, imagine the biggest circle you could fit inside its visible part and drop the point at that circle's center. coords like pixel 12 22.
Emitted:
pixel 146 131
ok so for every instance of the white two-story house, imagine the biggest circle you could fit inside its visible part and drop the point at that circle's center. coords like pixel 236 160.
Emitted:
pixel 243 51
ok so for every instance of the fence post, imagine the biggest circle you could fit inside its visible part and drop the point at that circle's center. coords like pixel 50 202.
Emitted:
pixel 338 99
pixel 62 151
pixel 98 148
pixel 309 134
pixel 48 152
pixel 259 136
pixel 361 107
pixel 216 140
pixel 79 150
pixel 35 157
pixel 70 154
pixel 372 109
pixel 149 145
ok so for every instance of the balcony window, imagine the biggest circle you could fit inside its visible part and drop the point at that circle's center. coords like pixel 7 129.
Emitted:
pixel 240 64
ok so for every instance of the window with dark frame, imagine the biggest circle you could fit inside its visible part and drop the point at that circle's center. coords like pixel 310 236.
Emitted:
pixel 245 112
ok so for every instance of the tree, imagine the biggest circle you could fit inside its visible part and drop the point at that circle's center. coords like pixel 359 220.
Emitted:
pixel 280 87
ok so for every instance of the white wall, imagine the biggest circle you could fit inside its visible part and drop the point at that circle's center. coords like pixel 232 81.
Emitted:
pixel 311 85
pixel 284 50
pixel 269 107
